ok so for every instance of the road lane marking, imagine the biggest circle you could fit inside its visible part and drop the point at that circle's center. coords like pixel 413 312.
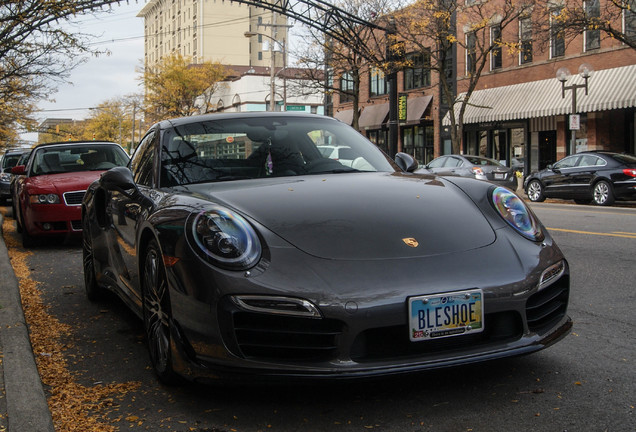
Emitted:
pixel 612 234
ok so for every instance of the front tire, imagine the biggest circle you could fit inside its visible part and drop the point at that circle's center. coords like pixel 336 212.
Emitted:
pixel 157 314
pixel 28 241
pixel 93 291
pixel 603 194
pixel 535 191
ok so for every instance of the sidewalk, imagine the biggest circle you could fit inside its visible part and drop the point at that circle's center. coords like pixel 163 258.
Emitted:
pixel 23 406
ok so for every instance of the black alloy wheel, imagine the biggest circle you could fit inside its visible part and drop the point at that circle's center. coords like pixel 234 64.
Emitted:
pixel 535 191
pixel 603 194
pixel 157 314
pixel 93 291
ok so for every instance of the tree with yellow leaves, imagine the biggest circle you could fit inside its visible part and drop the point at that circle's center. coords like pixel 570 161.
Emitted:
pixel 36 53
pixel 430 28
pixel 175 87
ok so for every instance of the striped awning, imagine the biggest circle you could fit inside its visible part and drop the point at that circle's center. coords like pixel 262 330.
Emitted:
pixel 608 89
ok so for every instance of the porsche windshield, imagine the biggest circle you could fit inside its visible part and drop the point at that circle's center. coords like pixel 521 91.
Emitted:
pixel 258 147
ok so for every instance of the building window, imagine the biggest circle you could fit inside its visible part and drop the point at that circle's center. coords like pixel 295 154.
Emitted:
pixel 557 35
pixel 629 17
pixel 471 53
pixel 496 52
pixel 418 142
pixel 592 36
pixel 419 73
pixel 379 137
pixel 346 87
pixel 260 55
pixel 525 40
pixel 377 82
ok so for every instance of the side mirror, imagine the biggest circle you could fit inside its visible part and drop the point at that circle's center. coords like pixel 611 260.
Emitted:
pixel 406 162
pixel 18 170
pixel 119 179
pixel 549 166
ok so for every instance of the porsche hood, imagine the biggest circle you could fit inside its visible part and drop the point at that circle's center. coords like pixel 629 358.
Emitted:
pixel 361 216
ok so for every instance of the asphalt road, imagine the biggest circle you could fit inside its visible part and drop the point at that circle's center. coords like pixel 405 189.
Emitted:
pixel 587 382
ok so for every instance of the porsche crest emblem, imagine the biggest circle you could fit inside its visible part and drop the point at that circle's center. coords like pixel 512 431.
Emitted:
pixel 410 241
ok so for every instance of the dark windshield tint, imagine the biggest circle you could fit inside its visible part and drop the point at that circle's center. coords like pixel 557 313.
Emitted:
pixel 257 147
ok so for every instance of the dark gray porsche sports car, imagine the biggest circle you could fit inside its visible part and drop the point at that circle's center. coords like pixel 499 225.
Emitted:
pixel 249 254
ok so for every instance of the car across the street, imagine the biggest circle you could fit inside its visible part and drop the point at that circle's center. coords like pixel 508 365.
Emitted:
pixel 49 188
pixel 477 167
pixel 600 177
pixel 249 255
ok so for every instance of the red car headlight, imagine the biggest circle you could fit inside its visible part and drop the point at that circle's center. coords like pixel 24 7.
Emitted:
pixel 44 199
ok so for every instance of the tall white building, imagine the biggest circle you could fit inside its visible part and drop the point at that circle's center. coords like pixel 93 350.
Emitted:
pixel 212 30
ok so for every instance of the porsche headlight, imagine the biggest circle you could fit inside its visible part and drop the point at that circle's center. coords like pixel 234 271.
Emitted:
pixel 224 238
pixel 516 213
pixel 44 199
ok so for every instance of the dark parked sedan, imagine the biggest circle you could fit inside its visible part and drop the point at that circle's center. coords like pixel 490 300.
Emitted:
pixel 477 167
pixel 248 254
pixel 599 177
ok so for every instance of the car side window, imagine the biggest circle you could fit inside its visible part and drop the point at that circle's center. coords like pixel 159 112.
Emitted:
pixel 142 162
pixel 587 161
pixel 452 162
pixel 437 163
pixel 567 162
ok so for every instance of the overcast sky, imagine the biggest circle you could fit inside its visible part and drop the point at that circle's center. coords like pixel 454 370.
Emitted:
pixel 104 77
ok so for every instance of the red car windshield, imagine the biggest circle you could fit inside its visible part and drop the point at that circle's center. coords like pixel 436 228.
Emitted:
pixel 62 159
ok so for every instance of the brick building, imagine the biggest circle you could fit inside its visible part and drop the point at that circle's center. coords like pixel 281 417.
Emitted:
pixel 517 110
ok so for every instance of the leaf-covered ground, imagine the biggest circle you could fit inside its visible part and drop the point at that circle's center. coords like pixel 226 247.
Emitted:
pixel 74 407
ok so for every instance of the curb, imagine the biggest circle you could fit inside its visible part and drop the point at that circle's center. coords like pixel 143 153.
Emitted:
pixel 27 408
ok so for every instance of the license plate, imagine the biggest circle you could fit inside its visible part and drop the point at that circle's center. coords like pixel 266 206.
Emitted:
pixel 500 176
pixel 444 315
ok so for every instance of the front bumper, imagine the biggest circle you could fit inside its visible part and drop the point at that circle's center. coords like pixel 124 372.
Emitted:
pixel 364 328
pixel 53 219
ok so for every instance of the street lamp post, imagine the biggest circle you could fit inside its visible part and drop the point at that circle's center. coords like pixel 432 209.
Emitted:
pixel 562 75
pixel 272 73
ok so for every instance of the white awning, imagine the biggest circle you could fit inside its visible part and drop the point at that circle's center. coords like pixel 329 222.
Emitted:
pixel 608 89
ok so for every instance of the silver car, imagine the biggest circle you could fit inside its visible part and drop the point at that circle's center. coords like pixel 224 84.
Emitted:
pixel 478 167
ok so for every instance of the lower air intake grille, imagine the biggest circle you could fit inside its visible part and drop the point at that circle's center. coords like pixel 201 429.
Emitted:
pixel 548 306
pixel 274 337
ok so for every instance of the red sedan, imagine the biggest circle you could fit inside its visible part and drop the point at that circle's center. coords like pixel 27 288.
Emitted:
pixel 49 192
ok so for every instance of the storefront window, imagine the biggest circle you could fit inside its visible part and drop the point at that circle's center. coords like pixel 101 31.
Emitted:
pixel 418 142
pixel 379 138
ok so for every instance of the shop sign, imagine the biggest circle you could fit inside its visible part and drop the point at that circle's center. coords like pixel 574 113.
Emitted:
pixel 402 107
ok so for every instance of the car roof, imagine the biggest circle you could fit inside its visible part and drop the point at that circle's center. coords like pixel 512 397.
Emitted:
pixel 230 116
pixel 74 143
